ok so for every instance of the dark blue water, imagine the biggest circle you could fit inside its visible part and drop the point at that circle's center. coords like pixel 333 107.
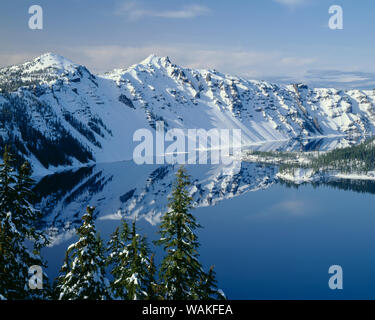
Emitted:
pixel 279 243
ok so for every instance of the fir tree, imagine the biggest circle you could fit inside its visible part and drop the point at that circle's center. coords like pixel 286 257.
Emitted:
pixel 83 273
pixel 7 181
pixel 118 258
pixel 208 288
pixel 17 225
pixel 153 289
pixel 23 210
pixel 180 272
pixel 129 258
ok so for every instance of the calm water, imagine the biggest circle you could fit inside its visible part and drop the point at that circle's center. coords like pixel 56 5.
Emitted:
pixel 278 243
pixel 266 240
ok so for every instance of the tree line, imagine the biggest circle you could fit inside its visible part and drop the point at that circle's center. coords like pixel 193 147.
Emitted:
pixel 124 268
pixel 354 159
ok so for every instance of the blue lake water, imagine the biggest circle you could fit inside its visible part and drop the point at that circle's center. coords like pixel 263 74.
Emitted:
pixel 279 242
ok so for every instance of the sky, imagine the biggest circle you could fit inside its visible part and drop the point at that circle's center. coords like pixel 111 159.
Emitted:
pixel 276 40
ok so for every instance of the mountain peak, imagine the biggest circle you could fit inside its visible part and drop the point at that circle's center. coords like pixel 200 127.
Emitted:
pixel 156 60
pixel 52 60
pixel 152 60
pixel 44 69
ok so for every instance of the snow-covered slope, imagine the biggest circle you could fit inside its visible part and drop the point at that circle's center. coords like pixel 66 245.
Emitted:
pixel 56 113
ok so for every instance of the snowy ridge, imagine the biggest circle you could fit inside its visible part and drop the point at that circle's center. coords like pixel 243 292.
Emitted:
pixel 58 114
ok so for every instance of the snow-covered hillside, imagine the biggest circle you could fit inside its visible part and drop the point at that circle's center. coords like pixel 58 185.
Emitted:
pixel 57 114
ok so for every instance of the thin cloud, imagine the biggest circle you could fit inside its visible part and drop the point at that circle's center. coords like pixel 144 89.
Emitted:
pixel 246 63
pixel 297 62
pixel 291 3
pixel 331 79
pixel 134 11
pixel 295 208
pixel 273 66
pixel 8 59
pixel 341 79
pixel 286 209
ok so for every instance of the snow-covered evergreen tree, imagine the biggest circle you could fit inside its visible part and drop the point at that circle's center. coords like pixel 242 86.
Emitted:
pixel 181 273
pixel 130 263
pixel 17 225
pixel 83 273
pixel 180 270
pixel 208 288
pixel 153 289
pixel 117 258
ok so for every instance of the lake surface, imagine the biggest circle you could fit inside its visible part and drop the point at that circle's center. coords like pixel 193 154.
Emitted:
pixel 267 240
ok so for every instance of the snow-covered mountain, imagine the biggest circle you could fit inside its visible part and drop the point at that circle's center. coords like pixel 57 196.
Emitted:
pixel 58 114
